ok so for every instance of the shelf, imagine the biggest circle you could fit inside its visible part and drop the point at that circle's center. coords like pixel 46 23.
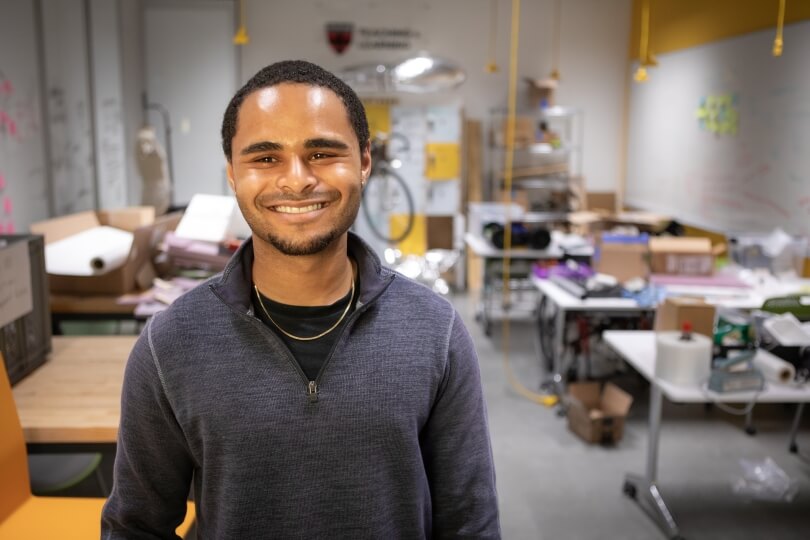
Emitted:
pixel 541 149
pixel 549 112
pixel 539 170
pixel 544 217
pixel 559 183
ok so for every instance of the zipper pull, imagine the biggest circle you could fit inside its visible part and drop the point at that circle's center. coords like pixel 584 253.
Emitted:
pixel 312 391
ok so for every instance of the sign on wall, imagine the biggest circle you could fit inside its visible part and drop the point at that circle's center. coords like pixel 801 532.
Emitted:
pixel 340 35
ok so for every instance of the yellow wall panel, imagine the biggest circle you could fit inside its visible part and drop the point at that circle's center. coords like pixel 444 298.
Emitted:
pixel 379 118
pixel 442 161
pixel 678 24
pixel 416 241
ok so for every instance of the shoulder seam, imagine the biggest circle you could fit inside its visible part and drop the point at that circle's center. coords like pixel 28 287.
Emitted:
pixel 155 359
pixel 449 335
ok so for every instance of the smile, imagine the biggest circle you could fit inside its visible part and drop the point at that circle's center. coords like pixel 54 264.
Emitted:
pixel 299 209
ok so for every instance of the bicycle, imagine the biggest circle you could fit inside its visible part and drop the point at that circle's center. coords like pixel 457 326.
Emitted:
pixel 387 189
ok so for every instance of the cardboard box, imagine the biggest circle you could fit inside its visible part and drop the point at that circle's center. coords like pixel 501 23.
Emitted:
pixel 25 315
pixel 597 414
pixel 137 272
pixel 624 258
pixel 685 255
pixel 674 311
pixel 600 200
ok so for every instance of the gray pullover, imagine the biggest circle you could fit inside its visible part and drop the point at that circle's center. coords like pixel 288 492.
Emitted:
pixel 390 441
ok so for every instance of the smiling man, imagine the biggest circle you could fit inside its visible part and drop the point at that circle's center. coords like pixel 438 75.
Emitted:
pixel 307 391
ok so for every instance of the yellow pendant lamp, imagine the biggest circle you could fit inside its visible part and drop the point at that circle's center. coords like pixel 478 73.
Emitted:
pixel 241 37
pixel 780 23
pixel 645 57
pixel 492 65
pixel 555 43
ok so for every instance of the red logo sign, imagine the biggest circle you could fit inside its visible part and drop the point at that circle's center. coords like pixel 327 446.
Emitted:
pixel 339 35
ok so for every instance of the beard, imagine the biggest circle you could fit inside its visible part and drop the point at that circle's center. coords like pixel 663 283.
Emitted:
pixel 305 242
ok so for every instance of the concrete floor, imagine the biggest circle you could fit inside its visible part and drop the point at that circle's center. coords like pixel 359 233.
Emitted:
pixel 554 486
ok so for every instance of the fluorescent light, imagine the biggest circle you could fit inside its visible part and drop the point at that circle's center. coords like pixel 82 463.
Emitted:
pixel 413 67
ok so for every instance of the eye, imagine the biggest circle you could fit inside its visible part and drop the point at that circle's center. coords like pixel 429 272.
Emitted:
pixel 265 159
pixel 320 155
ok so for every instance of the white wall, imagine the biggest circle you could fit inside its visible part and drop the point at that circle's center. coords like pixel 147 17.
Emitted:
pixel 593 63
pixel 105 61
pixel 191 71
pixel 69 106
pixel 133 86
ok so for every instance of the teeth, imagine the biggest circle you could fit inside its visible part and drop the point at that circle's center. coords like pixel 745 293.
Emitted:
pixel 299 209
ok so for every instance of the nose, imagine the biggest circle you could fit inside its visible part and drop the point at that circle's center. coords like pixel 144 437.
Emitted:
pixel 296 177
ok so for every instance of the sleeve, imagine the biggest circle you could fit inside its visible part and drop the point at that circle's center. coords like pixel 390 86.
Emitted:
pixel 153 466
pixel 456 448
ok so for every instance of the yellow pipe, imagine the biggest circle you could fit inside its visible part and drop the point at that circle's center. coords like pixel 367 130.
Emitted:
pixel 507 242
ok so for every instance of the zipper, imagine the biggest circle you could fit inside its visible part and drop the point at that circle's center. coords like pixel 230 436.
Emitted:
pixel 350 321
pixel 311 386
pixel 312 391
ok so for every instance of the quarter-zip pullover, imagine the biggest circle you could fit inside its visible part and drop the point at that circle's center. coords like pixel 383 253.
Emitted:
pixel 390 441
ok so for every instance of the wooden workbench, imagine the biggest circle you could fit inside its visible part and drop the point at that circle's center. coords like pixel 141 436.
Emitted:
pixel 74 398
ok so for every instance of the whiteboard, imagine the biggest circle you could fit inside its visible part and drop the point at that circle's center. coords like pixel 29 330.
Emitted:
pixel 23 189
pixel 682 164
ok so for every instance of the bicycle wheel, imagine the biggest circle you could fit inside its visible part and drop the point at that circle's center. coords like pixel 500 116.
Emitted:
pixel 381 197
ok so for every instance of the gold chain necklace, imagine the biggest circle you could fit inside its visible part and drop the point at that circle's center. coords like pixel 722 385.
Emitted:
pixel 299 338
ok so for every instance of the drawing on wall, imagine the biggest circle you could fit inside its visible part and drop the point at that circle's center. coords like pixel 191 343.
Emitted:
pixel 7 124
pixel 718 114
pixel 72 154
pixel 7 222
pixel 18 111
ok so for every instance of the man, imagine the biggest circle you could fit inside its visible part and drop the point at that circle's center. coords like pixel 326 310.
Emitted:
pixel 307 390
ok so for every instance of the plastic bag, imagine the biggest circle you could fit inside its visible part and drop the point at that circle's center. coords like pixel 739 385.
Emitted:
pixel 764 480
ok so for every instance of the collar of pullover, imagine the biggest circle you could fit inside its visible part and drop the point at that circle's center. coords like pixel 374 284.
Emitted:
pixel 234 285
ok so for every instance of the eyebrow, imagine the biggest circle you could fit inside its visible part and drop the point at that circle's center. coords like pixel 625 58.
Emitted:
pixel 270 146
pixel 264 146
pixel 326 143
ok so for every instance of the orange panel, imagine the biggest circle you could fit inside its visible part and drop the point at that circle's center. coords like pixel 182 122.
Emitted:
pixel 46 518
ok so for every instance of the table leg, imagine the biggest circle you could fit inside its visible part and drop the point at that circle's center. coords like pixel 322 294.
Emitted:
pixel 795 428
pixel 557 381
pixel 482 314
pixel 643 489
pixel 749 422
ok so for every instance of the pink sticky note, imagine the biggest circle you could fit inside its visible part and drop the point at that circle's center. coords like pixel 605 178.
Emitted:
pixel 12 128
pixel 7 206
pixel 10 227
pixel 2 182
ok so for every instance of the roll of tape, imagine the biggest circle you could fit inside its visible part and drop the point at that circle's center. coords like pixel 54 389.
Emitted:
pixel 685 362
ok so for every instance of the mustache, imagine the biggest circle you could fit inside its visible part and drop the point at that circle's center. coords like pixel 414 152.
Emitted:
pixel 274 199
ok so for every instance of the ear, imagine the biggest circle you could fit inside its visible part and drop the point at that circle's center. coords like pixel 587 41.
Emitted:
pixel 229 173
pixel 365 163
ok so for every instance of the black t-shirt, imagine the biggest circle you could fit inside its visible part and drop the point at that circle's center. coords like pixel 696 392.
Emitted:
pixel 305 321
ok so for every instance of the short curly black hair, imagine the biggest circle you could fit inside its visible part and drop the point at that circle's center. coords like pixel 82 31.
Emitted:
pixel 295 71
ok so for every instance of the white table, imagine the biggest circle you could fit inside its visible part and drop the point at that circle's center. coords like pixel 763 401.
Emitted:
pixel 491 255
pixel 565 303
pixel 638 349
pixel 728 297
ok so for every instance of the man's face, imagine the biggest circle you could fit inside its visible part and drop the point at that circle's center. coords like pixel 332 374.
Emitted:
pixel 296 167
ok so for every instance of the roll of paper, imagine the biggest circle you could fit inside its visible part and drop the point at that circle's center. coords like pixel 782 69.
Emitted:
pixel 773 368
pixel 92 251
pixel 685 362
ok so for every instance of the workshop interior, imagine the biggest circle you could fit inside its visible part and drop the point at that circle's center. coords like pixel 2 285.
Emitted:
pixel 614 195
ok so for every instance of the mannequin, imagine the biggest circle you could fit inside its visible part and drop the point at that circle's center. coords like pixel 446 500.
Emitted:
pixel 151 159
